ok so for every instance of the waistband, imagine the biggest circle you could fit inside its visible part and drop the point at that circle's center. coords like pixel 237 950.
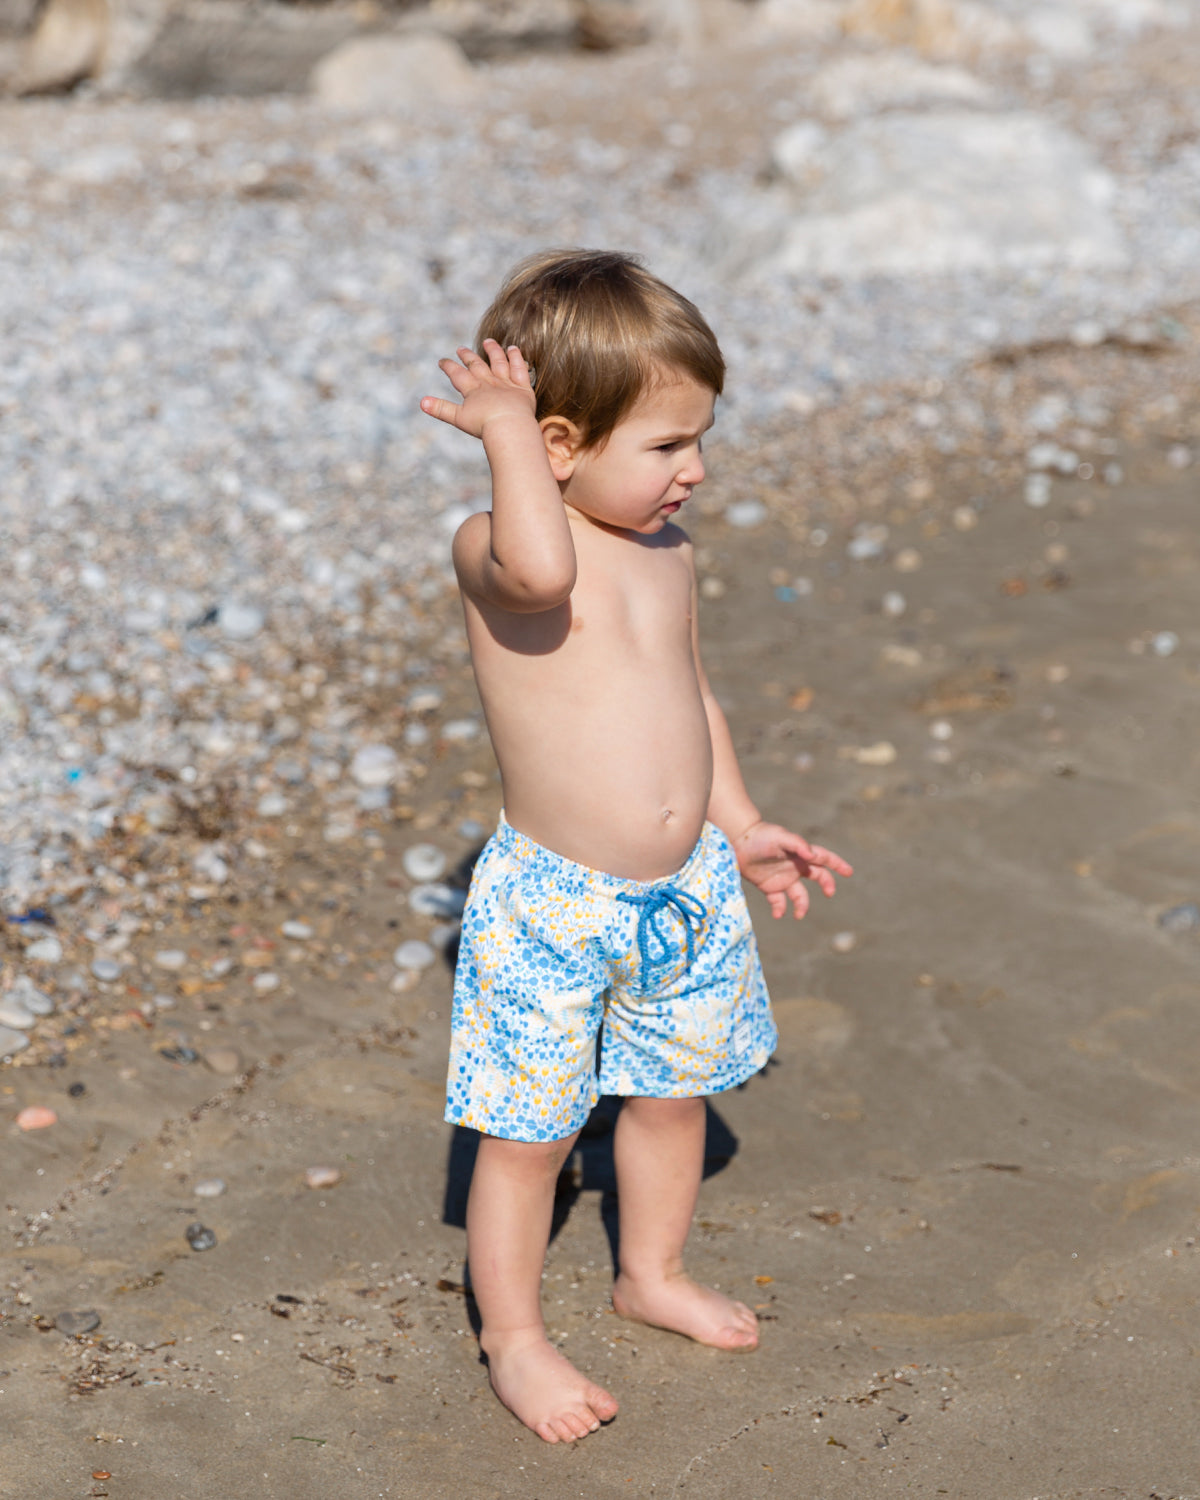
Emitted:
pixel 576 878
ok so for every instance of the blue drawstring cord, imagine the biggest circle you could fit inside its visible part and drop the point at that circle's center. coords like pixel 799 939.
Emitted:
pixel 650 910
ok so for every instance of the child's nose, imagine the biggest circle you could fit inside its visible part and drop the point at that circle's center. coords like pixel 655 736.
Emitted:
pixel 692 471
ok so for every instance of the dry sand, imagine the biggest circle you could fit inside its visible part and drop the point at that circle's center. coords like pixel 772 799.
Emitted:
pixel 964 1195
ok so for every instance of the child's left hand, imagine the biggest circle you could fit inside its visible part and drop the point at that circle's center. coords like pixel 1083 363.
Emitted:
pixel 778 862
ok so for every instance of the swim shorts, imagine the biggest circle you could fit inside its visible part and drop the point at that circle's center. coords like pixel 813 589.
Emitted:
pixel 553 953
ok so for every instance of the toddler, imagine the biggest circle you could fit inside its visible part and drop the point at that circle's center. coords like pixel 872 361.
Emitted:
pixel 609 900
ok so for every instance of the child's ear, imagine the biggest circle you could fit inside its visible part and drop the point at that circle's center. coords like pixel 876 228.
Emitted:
pixel 564 443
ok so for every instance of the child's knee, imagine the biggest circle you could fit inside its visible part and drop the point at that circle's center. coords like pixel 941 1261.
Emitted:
pixel 529 1160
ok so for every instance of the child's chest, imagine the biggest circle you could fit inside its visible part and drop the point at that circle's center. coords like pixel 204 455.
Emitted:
pixel 640 595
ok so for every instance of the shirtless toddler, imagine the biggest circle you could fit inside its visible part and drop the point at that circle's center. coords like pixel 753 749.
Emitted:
pixel 610 896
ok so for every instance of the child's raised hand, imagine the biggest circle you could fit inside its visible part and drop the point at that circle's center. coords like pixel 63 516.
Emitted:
pixel 493 389
pixel 778 862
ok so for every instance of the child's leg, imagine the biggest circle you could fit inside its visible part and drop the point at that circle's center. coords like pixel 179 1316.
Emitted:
pixel 508 1228
pixel 659 1150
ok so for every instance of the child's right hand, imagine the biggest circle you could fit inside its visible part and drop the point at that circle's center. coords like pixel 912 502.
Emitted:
pixel 494 390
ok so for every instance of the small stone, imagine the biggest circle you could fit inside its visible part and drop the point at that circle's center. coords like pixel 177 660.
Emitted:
pixel 272 805
pixel 34 1000
pixel 1165 643
pixel 179 1054
pixel 1185 918
pixel 423 862
pixel 106 970
pixel 437 900
pixel 712 587
pixel 423 700
pixel 209 1187
pixel 14 1014
pixel 746 514
pixel 240 622
pixel 199 1237
pixel 442 934
pixel 375 766
pixel 471 828
pixel 867 543
pixel 1112 473
pixel 77 1090
pixel 907 560
pixel 1037 491
pixel 416 735
pixel 209 865
pixel 322 1177
pixel 374 798
pixel 883 753
pixel 298 931
pixel 36 1117
pixel 965 517
pixel 74 1323
pixel 414 955
pixel 265 983
pixel 893 604
pixel 12 1041
pixel 843 942
pixel 460 731
pixel 46 950
pixel 171 958
pixel 941 729
pixel 1179 456
pixel 227 1061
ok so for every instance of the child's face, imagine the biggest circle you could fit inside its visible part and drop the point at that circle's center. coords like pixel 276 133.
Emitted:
pixel 651 461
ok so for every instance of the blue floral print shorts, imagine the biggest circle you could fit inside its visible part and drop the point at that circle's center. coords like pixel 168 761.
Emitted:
pixel 553 952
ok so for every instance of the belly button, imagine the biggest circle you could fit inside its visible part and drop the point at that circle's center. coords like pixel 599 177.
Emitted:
pixel 667 814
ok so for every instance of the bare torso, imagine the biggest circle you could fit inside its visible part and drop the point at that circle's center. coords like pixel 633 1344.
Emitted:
pixel 595 709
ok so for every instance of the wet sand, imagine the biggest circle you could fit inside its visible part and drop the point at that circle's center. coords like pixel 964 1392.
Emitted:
pixel 964 1194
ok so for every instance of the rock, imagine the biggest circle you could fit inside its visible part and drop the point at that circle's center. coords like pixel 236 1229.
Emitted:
pixel 1165 643
pixel 45 950
pixel 209 1187
pixel 460 731
pixel 746 514
pixel 299 932
pixel 68 45
pixel 423 700
pixel 375 765
pixel 271 805
pixel 393 72
pixel 843 942
pixel 34 1000
pixel 12 1041
pixel 199 1237
pixel 893 604
pixel 14 1015
pixel 210 865
pixel 75 1323
pixel 173 959
pixel 414 954
pixel 36 1117
pixel 471 829
pixel 373 798
pixel 106 969
pixel 240 622
pixel 1037 491
pixel 437 900
pixel 883 753
pixel 1185 918
pixel 322 1177
pixel 907 560
pixel 941 729
pixel 423 862
pixel 416 735
pixel 946 191
pixel 868 84
pixel 867 543
pixel 226 1061
pixel 265 983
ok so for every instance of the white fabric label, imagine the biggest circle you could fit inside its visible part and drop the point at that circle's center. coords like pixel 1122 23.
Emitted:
pixel 741 1036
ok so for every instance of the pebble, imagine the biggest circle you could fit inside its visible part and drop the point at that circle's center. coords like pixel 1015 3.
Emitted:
pixel 265 983
pixel 1165 643
pixel 746 514
pixel 843 942
pixel 442 934
pixel 226 1061
pixel 416 735
pixel 33 999
pixel 423 862
pixel 272 805
pixel 299 931
pixel 460 731
pixel 907 560
pixel 240 622
pixel 36 1117
pixel 1179 456
pixel 941 729
pixel 471 828
pixel 12 1041
pixel 375 766
pixel 45 950
pixel 867 543
pixel 712 587
pixel 14 1014
pixel 209 1187
pixel 106 969
pixel 1184 918
pixel 414 954
pixel 1113 473
pixel 74 1323
pixel 437 900
pixel 423 700
pixel 894 604
pixel 1037 491
pixel 322 1177
pixel 171 958
pixel 883 753
pixel 200 1237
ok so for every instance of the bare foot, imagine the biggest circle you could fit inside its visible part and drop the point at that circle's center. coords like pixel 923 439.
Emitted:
pixel 544 1390
pixel 678 1303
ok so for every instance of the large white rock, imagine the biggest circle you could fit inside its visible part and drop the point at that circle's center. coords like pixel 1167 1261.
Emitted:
pixel 952 190
pixel 875 81
pixel 392 72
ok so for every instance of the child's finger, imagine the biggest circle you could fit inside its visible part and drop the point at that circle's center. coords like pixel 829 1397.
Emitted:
pixel 799 898
pixel 517 367
pixel 777 901
pixel 496 357
pixel 458 375
pixel 444 411
pixel 831 861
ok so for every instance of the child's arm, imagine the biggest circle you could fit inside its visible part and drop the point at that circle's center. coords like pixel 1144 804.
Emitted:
pixel 520 556
pixel 773 858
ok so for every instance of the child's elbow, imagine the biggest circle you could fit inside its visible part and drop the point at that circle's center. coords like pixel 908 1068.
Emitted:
pixel 533 592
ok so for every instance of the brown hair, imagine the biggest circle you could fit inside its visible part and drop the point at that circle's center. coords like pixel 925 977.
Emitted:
pixel 596 327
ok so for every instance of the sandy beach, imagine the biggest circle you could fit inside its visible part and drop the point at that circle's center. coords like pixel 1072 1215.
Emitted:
pixel 950 608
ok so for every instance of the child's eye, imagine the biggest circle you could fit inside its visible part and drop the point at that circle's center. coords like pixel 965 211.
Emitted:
pixel 666 447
